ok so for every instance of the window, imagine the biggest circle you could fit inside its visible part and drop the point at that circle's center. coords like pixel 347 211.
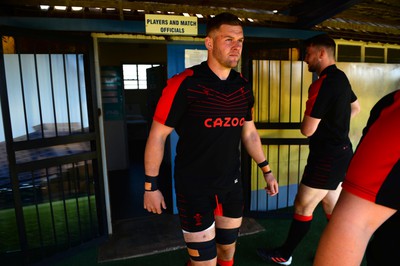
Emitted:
pixel 374 55
pixel 355 51
pixel 349 53
pixel 135 77
pixel 393 56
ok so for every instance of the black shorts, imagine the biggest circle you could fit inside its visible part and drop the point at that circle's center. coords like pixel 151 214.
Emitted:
pixel 325 170
pixel 198 208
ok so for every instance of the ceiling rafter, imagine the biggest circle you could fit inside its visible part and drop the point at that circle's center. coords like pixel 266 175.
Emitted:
pixel 345 25
pixel 311 13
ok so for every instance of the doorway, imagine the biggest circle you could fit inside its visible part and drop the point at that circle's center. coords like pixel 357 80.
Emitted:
pixel 129 130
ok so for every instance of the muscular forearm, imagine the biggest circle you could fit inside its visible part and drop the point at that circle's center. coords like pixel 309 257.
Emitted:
pixel 153 156
pixel 154 151
pixel 254 148
pixel 252 142
pixel 153 200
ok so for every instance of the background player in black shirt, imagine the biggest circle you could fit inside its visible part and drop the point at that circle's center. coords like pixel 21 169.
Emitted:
pixel 331 102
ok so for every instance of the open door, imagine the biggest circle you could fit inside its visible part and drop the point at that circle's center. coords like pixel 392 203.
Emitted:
pixel 156 81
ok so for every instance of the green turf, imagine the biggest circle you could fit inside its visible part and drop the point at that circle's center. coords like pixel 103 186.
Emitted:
pixel 50 227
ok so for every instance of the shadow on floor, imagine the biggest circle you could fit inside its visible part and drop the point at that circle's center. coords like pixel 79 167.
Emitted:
pixel 151 235
pixel 126 186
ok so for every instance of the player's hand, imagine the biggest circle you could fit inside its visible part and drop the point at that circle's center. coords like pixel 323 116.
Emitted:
pixel 154 201
pixel 272 187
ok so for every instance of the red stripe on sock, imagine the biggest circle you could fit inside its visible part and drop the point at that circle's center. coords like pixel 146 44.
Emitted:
pixel 302 217
pixel 328 216
pixel 224 262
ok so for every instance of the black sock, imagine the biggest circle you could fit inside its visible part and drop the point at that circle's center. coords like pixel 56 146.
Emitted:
pixel 298 229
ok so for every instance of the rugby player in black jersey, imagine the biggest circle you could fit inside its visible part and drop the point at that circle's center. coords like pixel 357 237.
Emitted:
pixel 210 108
pixel 330 105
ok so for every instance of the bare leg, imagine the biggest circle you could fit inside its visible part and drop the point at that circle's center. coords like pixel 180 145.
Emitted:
pixel 227 252
pixel 345 238
pixel 201 236
pixel 329 201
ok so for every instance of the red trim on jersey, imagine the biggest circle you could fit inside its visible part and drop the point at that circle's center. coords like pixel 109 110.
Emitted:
pixel 241 75
pixel 313 93
pixel 168 95
pixel 218 211
pixel 397 96
pixel 376 154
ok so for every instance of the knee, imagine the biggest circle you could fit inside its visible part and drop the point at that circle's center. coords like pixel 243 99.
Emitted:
pixel 300 207
pixel 226 252
pixel 226 240
pixel 328 206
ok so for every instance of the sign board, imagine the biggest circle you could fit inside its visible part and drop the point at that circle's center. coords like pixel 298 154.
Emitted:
pixel 194 57
pixel 170 25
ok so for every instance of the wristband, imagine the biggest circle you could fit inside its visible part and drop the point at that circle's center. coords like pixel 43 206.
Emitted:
pixel 268 172
pixel 150 183
pixel 262 164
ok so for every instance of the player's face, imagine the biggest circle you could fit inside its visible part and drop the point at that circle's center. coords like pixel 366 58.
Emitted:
pixel 312 58
pixel 227 44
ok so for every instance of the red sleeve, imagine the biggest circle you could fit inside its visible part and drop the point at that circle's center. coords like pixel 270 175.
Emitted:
pixel 312 94
pixel 376 154
pixel 168 95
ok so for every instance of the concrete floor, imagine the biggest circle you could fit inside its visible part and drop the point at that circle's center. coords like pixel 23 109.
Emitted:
pixel 151 235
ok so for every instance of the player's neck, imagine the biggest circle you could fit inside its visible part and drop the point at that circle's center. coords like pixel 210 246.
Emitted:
pixel 325 64
pixel 219 70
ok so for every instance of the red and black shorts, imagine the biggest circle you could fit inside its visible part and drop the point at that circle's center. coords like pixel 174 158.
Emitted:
pixel 325 170
pixel 197 208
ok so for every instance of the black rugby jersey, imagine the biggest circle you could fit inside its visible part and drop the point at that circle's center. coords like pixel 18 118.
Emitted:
pixel 208 114
pixel 329 99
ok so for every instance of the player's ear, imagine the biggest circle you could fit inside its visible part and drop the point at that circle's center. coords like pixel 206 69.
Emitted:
pixel 322 53
pixel 208 43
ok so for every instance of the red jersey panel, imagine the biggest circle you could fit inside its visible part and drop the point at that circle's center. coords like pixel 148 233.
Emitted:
pixel 374 172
